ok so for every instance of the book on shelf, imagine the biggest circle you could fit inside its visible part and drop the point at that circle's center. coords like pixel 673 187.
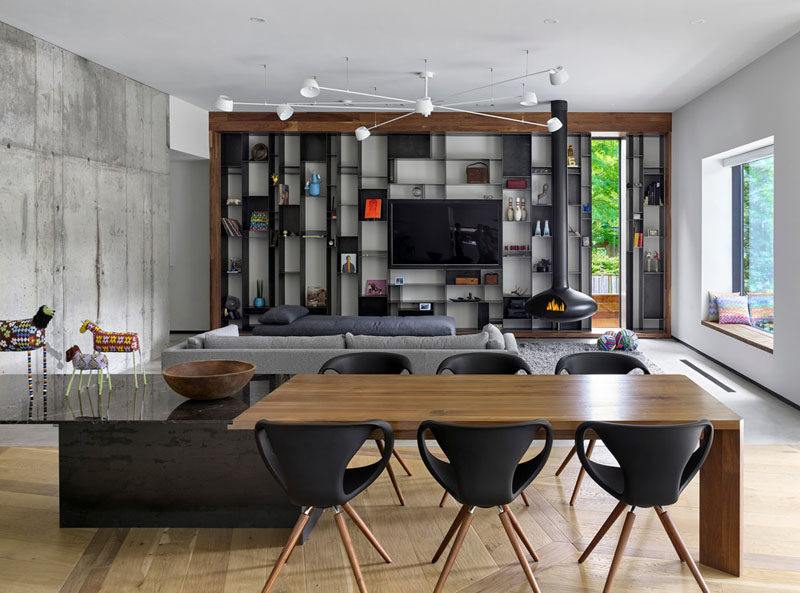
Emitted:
pixel 637 239
pixel 232 227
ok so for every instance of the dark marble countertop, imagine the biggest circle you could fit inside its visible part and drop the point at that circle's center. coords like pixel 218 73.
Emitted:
pixel 154 402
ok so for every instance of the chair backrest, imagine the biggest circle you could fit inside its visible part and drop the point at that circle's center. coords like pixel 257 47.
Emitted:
pixel 600 363
pixel 309 461
pixel 484 466
pixel 368 363
pixel 655 462
pixel 484 363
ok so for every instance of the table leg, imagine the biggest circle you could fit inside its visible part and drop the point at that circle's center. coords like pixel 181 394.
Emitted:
pixel 721 503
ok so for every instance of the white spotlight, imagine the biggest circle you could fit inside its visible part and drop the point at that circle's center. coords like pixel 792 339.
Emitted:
pixel 529 99
pixel 284 111
pixel 310 88
pixel 558 76
pixel 224 103
pixel 554 124
pixel 362 133
pixel 424 106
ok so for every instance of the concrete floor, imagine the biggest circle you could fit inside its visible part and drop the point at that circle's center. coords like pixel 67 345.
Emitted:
pixel 767 421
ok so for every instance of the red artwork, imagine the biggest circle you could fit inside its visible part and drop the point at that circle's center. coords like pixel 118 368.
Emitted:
pixel 372 208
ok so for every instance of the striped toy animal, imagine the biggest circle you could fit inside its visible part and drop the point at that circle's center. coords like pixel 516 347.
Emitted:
pixel 116 342
pixel 23 335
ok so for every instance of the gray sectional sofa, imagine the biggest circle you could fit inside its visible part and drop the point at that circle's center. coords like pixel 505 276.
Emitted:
pixel 292 355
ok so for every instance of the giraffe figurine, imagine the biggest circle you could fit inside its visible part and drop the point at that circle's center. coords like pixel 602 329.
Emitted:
pixel 117 342
pixel 23 335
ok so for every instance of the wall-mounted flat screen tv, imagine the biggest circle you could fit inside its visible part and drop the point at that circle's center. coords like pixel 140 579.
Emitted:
pixel 445 233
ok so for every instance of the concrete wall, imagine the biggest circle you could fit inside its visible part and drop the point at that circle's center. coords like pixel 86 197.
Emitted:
pixel 757 102
pixel 84 207
pixel 188 273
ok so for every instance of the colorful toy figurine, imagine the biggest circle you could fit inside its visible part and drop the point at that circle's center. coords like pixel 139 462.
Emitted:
pixel 87 362
pixel 274 178
pixel 116 342
pixel 26 335
pixel 313 186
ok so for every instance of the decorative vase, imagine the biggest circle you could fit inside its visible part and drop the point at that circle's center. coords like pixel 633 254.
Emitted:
pixel 259 302
pixel 510 211
pixel 546 228
pixel 538 232
pixel 518 211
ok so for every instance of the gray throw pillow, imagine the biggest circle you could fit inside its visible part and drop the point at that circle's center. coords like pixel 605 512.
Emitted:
pixel 466 342
pixel 283 315
pixel 276 342
pixel 496 339
pixel 198 341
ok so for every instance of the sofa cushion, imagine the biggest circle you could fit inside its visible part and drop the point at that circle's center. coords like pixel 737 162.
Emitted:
pixel 198 341
pixel 275 342
pixel 496 340
pixel 467 342
pixel 713 305
pixel 283 315
pixel 762 308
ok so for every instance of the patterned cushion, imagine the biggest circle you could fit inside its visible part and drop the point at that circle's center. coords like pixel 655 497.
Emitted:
pixel 608 341
pixel 762 308
pixel 713 309
pixel 733 309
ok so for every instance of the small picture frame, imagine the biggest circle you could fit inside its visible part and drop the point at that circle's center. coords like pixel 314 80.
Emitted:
pixel 652 232
pixel 348 263
pixel 372 204
pixel 376 287
pixel 399 281
pixel 585 241
pixel 424 306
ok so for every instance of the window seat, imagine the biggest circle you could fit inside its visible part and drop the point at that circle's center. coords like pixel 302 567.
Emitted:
pixel 743 333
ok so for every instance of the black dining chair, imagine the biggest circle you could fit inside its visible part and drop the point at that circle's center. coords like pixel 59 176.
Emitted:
pixel 483 363
pixel 594 363
pixel 374 363
pixel 656 463
pixel 484 470
pixel 309 462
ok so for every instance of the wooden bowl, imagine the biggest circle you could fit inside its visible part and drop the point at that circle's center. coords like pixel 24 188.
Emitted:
pixel 208 379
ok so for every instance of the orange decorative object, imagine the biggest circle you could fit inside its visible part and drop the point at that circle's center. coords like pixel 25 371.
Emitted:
pixel 372 208
pixel 554 306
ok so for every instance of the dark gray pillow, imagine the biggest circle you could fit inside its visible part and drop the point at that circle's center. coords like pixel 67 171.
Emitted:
pixel 283 315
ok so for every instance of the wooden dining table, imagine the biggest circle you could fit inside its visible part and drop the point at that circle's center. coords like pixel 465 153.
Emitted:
pixel 565 400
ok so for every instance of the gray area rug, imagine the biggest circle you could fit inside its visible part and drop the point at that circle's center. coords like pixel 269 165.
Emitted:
pixel 543 354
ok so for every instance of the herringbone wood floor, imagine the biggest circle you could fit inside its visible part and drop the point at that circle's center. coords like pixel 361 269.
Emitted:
pixel 37 556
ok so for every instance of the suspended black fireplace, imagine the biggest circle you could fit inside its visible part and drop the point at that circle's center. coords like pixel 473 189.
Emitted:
pixel 560 303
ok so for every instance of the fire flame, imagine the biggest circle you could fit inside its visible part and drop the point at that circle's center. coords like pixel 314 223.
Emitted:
pixel 554 306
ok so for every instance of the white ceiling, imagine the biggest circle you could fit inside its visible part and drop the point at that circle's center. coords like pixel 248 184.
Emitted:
pixel 622 55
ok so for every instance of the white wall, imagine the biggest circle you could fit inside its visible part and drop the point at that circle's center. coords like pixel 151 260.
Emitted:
pixel 188 128
pixel 756 102
pixel 188 272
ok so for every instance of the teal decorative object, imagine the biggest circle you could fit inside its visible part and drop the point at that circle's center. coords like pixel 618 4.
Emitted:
pixel 259 300
pixel 313 186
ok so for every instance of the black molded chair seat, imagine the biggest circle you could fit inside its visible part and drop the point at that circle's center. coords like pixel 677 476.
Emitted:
pixel 484 470
pixel 368 363
pixel 656 463
pixel 594 363
pixel 484 363
pixel 374 363
pixel 309 462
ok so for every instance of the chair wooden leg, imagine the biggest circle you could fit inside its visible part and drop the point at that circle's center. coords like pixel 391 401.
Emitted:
pixel 365 530
pixel 620 551
pixel 348 546
pixel 400 460
pixel 680 547
pixel 659 511
pixel 525 499
pixel 567 459
pixel 287 549
pixel 581 474
pixel 392 477
pixel 612 518
pixel 462 512
pixel 505 519
pixel 451 558
pixel 444 499
pixel 520 533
